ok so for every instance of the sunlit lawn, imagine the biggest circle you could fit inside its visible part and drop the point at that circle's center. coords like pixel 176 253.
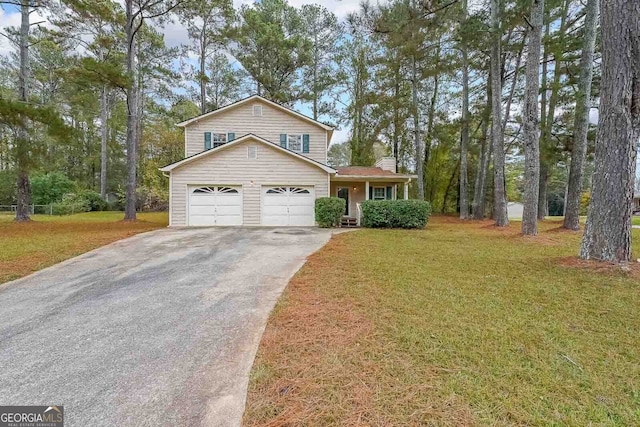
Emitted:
pixel 28 247
pixel 455 325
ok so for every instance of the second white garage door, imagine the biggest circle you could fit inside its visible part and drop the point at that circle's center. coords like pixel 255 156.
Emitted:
pixel 288 206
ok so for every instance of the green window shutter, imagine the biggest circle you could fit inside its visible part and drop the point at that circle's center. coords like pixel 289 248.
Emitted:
pixel 231 136
pixel 370 193
pixel 207 140
pixel 305 143
pixel 389 193
pixel 283 140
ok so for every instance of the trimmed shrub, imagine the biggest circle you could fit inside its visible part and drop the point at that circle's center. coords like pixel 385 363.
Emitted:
pixel 329 211
pixel 395 213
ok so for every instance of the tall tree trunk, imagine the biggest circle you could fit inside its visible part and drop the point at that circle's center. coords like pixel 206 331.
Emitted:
pixel 543 188
pixel 531 123
pixel 396 121
pixel 450 187
pixel 22 140
pixel 581 124
pixel 548 154
pixel 416 128
pixel 203 70
pixel 430 119
pixel 499 191
pixel 464 131
pixel 480 186
pixel 607 235
pixel 104 118
pixel 132 116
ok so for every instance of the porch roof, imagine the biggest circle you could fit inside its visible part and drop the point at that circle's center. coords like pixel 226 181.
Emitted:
pixel 363 173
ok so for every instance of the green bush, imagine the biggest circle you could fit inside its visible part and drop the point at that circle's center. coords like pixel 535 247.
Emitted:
pixel 50 188
pixel 329 211
pixel 7 187
pixel 71 204
pixel 96 203
pixel 82 201
pixel 395 213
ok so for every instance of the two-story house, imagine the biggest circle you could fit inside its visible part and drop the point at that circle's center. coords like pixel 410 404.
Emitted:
pixel 255 162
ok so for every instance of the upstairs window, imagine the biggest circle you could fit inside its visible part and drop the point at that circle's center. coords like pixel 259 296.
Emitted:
pixel 257 110
pixel 252 152
pixel 218 139
pixel 294 143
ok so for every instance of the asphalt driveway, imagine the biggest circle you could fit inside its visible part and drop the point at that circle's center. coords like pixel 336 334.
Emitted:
pixel 158 329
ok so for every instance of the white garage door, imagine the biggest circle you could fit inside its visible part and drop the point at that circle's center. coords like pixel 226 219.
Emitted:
pixel 288 206
pixel 215 205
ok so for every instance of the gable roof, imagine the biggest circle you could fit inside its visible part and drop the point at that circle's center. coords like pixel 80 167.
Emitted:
pixel 256 98
pixel 247 137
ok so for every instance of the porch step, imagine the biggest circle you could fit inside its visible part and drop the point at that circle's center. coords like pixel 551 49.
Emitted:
pixel 349 222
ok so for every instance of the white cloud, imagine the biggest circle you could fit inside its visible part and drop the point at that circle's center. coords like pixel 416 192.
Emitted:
pixel 340 136
pixel 7 19
pixel 175 34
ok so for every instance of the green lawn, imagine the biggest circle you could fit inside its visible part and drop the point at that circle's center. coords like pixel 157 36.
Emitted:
pixel 458 324
pixel 46 240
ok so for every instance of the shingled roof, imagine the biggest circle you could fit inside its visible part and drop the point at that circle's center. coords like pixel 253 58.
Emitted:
pixel 364 171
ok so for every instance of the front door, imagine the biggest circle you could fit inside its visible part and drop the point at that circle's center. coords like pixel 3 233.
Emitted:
pixel 343 193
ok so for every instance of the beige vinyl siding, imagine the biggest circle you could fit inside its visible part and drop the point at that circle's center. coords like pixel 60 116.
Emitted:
pixel 241 121
pixel 232 167
pixel 357 192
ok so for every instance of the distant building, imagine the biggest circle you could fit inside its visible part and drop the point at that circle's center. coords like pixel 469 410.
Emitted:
pixel 514 210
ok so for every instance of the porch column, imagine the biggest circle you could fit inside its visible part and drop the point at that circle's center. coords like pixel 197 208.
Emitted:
pixel 366 190
pixel 406 190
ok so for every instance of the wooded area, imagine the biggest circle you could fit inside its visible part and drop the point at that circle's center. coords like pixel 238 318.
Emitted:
pixel 486 101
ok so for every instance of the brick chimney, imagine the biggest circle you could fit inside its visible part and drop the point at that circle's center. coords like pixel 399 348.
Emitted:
pixel 387 164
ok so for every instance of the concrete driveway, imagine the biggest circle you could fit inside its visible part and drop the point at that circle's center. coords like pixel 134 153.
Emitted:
pixel 157 329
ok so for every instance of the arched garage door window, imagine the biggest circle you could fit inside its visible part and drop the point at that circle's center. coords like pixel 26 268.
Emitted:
pixel 288 206
pixel 215 205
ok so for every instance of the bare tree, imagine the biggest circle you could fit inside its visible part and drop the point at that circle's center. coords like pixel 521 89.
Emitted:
pixel 532 122
pixel 581 125
pixel 497 136
pixel 608 232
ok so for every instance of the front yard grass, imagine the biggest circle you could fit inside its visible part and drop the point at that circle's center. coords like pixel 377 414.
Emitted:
pixel 32 246
pixel 460 324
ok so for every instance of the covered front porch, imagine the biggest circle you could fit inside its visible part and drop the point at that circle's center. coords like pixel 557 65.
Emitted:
pixel 356 190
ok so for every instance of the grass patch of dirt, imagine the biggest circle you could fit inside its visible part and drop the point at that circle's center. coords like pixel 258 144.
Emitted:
pixel 457 325
pixel 34 245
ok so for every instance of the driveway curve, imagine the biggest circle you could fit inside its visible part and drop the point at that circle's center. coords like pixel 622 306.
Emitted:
pixel 158 329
